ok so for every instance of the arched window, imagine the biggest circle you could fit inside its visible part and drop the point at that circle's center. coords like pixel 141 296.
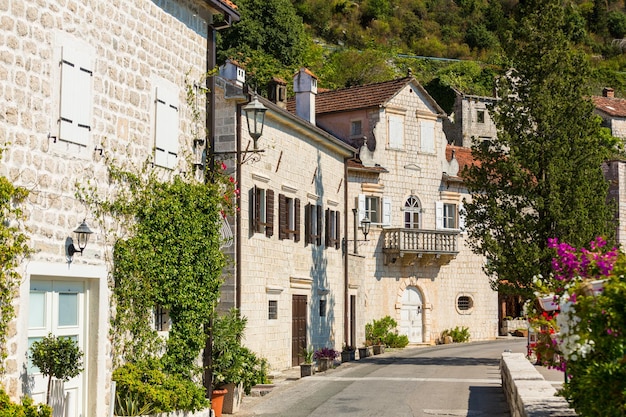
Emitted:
pixel 412 213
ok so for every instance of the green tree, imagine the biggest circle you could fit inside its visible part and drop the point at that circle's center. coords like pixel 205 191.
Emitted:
pixel 271 27
pixel 350 67
pixel 541 178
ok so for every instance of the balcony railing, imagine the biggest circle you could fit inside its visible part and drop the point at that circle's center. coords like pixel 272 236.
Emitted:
pixel 415 243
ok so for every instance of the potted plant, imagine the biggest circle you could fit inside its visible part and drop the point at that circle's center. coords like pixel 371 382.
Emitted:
pixel 236 369
pixel 325 357
pixel 307 368
pixel 348 353
pixel 58 357
pixel 366 350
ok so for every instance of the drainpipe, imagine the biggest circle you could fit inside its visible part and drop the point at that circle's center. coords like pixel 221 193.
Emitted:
pixel 346 298
pixel 238 215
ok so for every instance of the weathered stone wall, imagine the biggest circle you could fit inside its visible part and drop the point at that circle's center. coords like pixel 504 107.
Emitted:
pixel 133 43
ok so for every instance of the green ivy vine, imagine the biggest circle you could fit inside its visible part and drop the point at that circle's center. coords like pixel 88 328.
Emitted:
pixel 169 257
pixel 13 248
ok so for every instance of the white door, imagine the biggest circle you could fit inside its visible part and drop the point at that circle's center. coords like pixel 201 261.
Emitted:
pixel 57 307
pixel 411 315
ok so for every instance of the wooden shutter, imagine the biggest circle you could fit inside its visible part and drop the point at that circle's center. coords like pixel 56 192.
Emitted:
pixel 296 208
pixel 386 211
pixel 283 217
pixel 337 230
pixel 269 213
pixel 166 127
pixel 396 131
pixel 361 207
pixel 439 215
pixel 427 136
pixel 327 234
pixel 307 224
pixel 254 209
pixel 320 217
pixel 76 95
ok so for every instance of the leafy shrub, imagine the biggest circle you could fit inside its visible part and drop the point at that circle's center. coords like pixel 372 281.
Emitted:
pixel 25 409
pixel 146 385
pixel 395 340
pixel 459 335
pixel 384 331
pixel 325 353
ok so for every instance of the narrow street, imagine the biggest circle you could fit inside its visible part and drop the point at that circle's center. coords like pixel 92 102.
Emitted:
pixel 446 380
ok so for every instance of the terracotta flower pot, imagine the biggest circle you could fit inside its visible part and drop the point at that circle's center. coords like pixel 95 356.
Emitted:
pixel 217 401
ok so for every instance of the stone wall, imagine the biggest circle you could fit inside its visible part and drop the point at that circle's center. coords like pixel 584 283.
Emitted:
pixel 526 391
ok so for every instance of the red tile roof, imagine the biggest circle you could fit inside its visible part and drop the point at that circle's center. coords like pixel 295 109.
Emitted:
pixel 229 4
pixel 359 97
pixel 612 106
pixel 357 165
pixel 463 156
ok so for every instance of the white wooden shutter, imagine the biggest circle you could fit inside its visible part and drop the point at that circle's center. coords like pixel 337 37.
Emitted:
pixel 386 211
pixel 166 126
pixel 361 207
pixel 76 95
pixel 396 131
pixel 439 215
pixel 427 136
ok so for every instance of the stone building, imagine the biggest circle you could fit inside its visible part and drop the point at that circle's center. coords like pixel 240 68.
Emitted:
pixel 469 120
pixel 81 80
pixel 414 264
pixel 288 278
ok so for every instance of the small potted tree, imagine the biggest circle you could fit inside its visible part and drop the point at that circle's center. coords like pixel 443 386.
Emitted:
pixel 58 357
pixel 307 368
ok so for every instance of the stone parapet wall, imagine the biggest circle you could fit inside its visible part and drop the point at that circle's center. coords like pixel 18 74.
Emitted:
pixel 527 392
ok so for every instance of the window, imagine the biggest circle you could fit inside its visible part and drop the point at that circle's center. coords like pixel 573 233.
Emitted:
pixel 446 215
pixel 396 131
pixel 272 310
pixel 480 116
pixel 166 125
pixel 333 227
pixel 262 211
pixel 289 218
pixel 412 213
pixel 377 209
pixel 313 224
pixel 427 136
pixel 464 304
pixel 322 308
pixel 76 94
pixel 162 320
pixel 355 128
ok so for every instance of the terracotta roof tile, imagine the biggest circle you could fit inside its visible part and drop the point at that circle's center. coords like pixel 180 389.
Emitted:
pixel 357 97
pixel 463 156
pixel 355 164
pixel 612 106
pixel 229 4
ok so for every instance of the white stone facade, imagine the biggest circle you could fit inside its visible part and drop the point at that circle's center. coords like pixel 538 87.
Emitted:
pixel 424 295
pixel 470 119
pixel 79 80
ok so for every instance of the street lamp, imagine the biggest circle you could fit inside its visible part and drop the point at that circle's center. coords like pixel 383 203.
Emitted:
pixel 82 236
pixel 366 224
pixel 255 115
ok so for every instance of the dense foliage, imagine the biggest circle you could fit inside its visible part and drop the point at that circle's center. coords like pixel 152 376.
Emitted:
pixel 13 248
pixel 383 331
pixel 25 409
pixel 458 334
pixel 541 177
pixel 145 385
pixel 232 362
pixel 584 336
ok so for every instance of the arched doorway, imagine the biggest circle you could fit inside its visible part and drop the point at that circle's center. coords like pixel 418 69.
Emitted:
pixel 411 321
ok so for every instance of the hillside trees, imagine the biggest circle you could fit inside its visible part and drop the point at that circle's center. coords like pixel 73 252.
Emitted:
pixel 541 178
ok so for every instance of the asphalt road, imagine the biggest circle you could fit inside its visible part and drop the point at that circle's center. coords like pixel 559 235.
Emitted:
pixel 446 380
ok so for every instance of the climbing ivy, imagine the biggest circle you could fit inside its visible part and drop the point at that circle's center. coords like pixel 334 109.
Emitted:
pixel 13 248
pixel 167 254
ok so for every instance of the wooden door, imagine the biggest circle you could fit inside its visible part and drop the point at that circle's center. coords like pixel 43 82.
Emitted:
pixel 298 328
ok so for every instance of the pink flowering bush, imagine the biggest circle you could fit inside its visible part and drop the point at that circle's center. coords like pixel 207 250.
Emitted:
pixel 586 336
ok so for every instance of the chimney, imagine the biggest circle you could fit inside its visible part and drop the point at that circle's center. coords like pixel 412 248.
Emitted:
pixel 277 92
pixel 608 92
pixel 232 71
pixel 305 87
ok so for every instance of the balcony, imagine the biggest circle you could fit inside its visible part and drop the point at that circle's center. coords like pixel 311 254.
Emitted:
pixel 418 245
